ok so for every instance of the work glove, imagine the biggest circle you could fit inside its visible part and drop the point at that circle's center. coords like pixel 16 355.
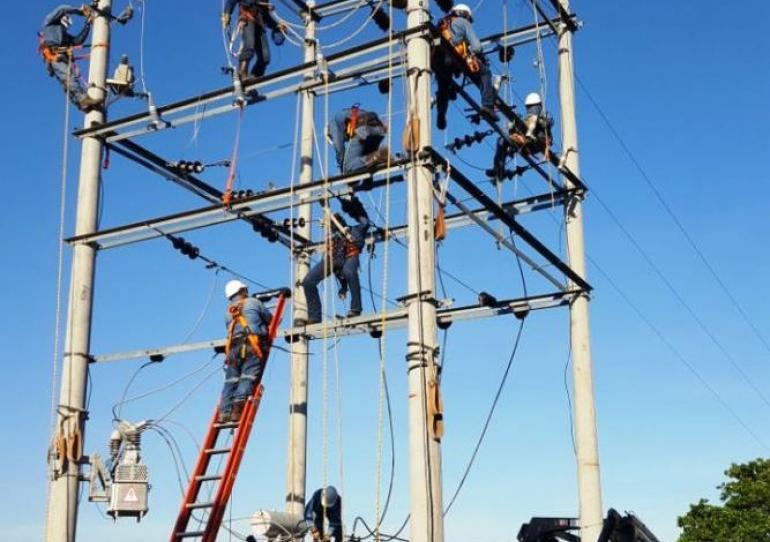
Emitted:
pixel 87 12
pixel 225 20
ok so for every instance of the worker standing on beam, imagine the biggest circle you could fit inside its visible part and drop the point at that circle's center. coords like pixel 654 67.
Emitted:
pixel 325 504
pixel 363 131
pixel 253 17
pixel 56 47
pixel 341 257
pixel 457 29
pixel 247 322
pixel 536 139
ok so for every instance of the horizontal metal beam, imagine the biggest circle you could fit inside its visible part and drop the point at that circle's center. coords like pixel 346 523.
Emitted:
pixel 242 208
pixel 209 99
pixel 503 240
pixel 474 191
pixel 373 324
pixel 284 82
pixel 153 162
pixel 461 219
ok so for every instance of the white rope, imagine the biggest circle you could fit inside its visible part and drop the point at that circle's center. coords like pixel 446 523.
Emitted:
pixel 59 275
pixel 141 46
pixel 358 30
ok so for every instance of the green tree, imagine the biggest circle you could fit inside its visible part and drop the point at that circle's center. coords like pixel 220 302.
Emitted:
pixel 743 516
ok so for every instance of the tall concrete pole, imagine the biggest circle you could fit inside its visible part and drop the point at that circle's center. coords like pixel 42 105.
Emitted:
pixel 297 467
pixel 427 523
pixel 589 480
pixel 61 522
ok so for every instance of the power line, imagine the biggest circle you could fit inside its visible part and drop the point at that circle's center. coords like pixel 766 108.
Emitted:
pixel 681 299
pixel 690 241
pixel 676 352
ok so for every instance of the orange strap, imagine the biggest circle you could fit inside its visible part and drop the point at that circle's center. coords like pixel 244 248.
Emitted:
pixel 461 48
pixel 235 312
pixel 353 123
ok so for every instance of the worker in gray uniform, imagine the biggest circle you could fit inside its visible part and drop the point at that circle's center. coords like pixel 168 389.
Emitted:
pixel 56 45
pixel 457 29
pixel 341 257
pixel 536 139
pixel 248 322
pixel 363 132
pixel 254 17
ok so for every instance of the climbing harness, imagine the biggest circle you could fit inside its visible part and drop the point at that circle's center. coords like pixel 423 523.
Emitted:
pixel 471 61
pixel 237 318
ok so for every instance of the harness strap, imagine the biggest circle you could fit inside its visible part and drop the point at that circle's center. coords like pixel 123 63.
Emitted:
pixel 353 122
pixel 237 317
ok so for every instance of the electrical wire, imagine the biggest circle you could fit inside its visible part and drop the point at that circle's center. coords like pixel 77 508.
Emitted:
pixel 488 419
pixel 673 216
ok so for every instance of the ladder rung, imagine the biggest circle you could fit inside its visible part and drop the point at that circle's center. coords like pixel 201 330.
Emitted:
pixel 215 451
pixel 209 478
pixel 190 534
pixel 196 505
pixel 226 425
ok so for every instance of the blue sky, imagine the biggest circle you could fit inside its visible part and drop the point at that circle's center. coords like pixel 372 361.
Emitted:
pixel 683 84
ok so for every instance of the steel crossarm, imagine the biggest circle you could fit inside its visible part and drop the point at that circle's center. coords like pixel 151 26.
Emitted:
pixel 291 80
pixel 242 208
pixel 371 324
pixel 472 190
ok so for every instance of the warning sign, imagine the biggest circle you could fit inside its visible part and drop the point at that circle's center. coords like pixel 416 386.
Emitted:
pixel 130 496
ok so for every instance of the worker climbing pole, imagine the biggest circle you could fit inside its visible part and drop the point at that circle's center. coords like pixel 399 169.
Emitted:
pixel 63 503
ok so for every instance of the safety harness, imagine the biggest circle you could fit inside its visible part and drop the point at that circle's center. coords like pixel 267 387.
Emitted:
pixel 462 49
pixel 360 118
pixel 236 314
pixel 250 13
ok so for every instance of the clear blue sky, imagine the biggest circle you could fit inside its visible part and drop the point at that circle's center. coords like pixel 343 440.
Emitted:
pixel 684 84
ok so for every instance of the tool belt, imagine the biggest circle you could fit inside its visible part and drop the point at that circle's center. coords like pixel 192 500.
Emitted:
pixel 342 249
pixel 471 61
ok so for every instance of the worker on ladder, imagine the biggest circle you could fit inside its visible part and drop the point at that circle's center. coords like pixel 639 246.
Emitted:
pixel 253 17
pixel 56 46
pixel 247 341
pixel 457 29
pixel 325 503
pixel 363 131
pixel 536 139
pixel 341 257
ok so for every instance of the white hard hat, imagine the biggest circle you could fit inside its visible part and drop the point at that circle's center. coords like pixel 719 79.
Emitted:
pixel 233 287
pixel 66 21
pixel 462 8
pixel 329 496
pixel 533 98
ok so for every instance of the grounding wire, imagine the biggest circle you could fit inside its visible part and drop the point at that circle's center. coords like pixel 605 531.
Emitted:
pixel 488 419
pixel 357 31
pixel 117 407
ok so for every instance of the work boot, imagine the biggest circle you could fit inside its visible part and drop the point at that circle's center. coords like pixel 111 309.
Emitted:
pixel 353 313
pixel 87 103
pixel 224 416
pixel 378 157
pixel 237 411
pixel 490 113
pixel 441 122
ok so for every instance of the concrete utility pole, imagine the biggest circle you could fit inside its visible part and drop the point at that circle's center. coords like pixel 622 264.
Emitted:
pixel 297 467
pixel 427 524
pixel 61 522
pixel 589 480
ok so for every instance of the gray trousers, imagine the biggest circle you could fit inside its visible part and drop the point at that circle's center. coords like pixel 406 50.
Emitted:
pixel 69 79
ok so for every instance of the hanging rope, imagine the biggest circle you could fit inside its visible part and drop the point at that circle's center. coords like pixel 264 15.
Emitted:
pixel 227 198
